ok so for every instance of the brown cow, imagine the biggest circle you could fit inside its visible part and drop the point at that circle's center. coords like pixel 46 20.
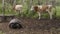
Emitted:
pixel 43 8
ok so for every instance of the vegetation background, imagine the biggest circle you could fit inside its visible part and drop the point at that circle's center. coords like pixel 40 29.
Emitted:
pixel 8 5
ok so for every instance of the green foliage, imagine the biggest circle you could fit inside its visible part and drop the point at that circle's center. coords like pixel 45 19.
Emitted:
pixel 26 9
pixel 58 11
pixel 2 32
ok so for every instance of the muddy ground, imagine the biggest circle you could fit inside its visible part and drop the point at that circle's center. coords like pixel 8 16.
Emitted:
pixel 33 26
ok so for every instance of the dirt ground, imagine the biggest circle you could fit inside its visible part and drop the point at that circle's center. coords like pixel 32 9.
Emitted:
pixel 33 26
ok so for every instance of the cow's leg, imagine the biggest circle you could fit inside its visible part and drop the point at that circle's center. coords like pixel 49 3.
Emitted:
pixel 18 12
pixel 51 14
pixel 21 13
pixel 39 15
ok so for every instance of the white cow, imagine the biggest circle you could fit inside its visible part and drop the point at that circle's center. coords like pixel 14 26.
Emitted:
pixel 18 8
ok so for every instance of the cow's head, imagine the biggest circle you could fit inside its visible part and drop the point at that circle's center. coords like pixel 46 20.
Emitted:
pixel 34 8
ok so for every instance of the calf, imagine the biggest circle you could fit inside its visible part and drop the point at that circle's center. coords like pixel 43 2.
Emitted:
pixel 43 8
pixel 18 8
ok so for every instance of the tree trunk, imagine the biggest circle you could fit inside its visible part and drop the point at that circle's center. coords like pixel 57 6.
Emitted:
pixel 3 7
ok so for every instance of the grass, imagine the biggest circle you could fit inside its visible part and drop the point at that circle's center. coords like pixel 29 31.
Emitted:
pixel 29 13
pixel 2 32
pixel 58 11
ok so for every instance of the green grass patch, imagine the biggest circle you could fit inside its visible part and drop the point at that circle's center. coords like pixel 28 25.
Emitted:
pixel 58 11
pixel 2 32
pixel 28 13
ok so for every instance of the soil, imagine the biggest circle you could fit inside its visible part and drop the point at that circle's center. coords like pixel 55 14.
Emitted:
pixel 33 26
